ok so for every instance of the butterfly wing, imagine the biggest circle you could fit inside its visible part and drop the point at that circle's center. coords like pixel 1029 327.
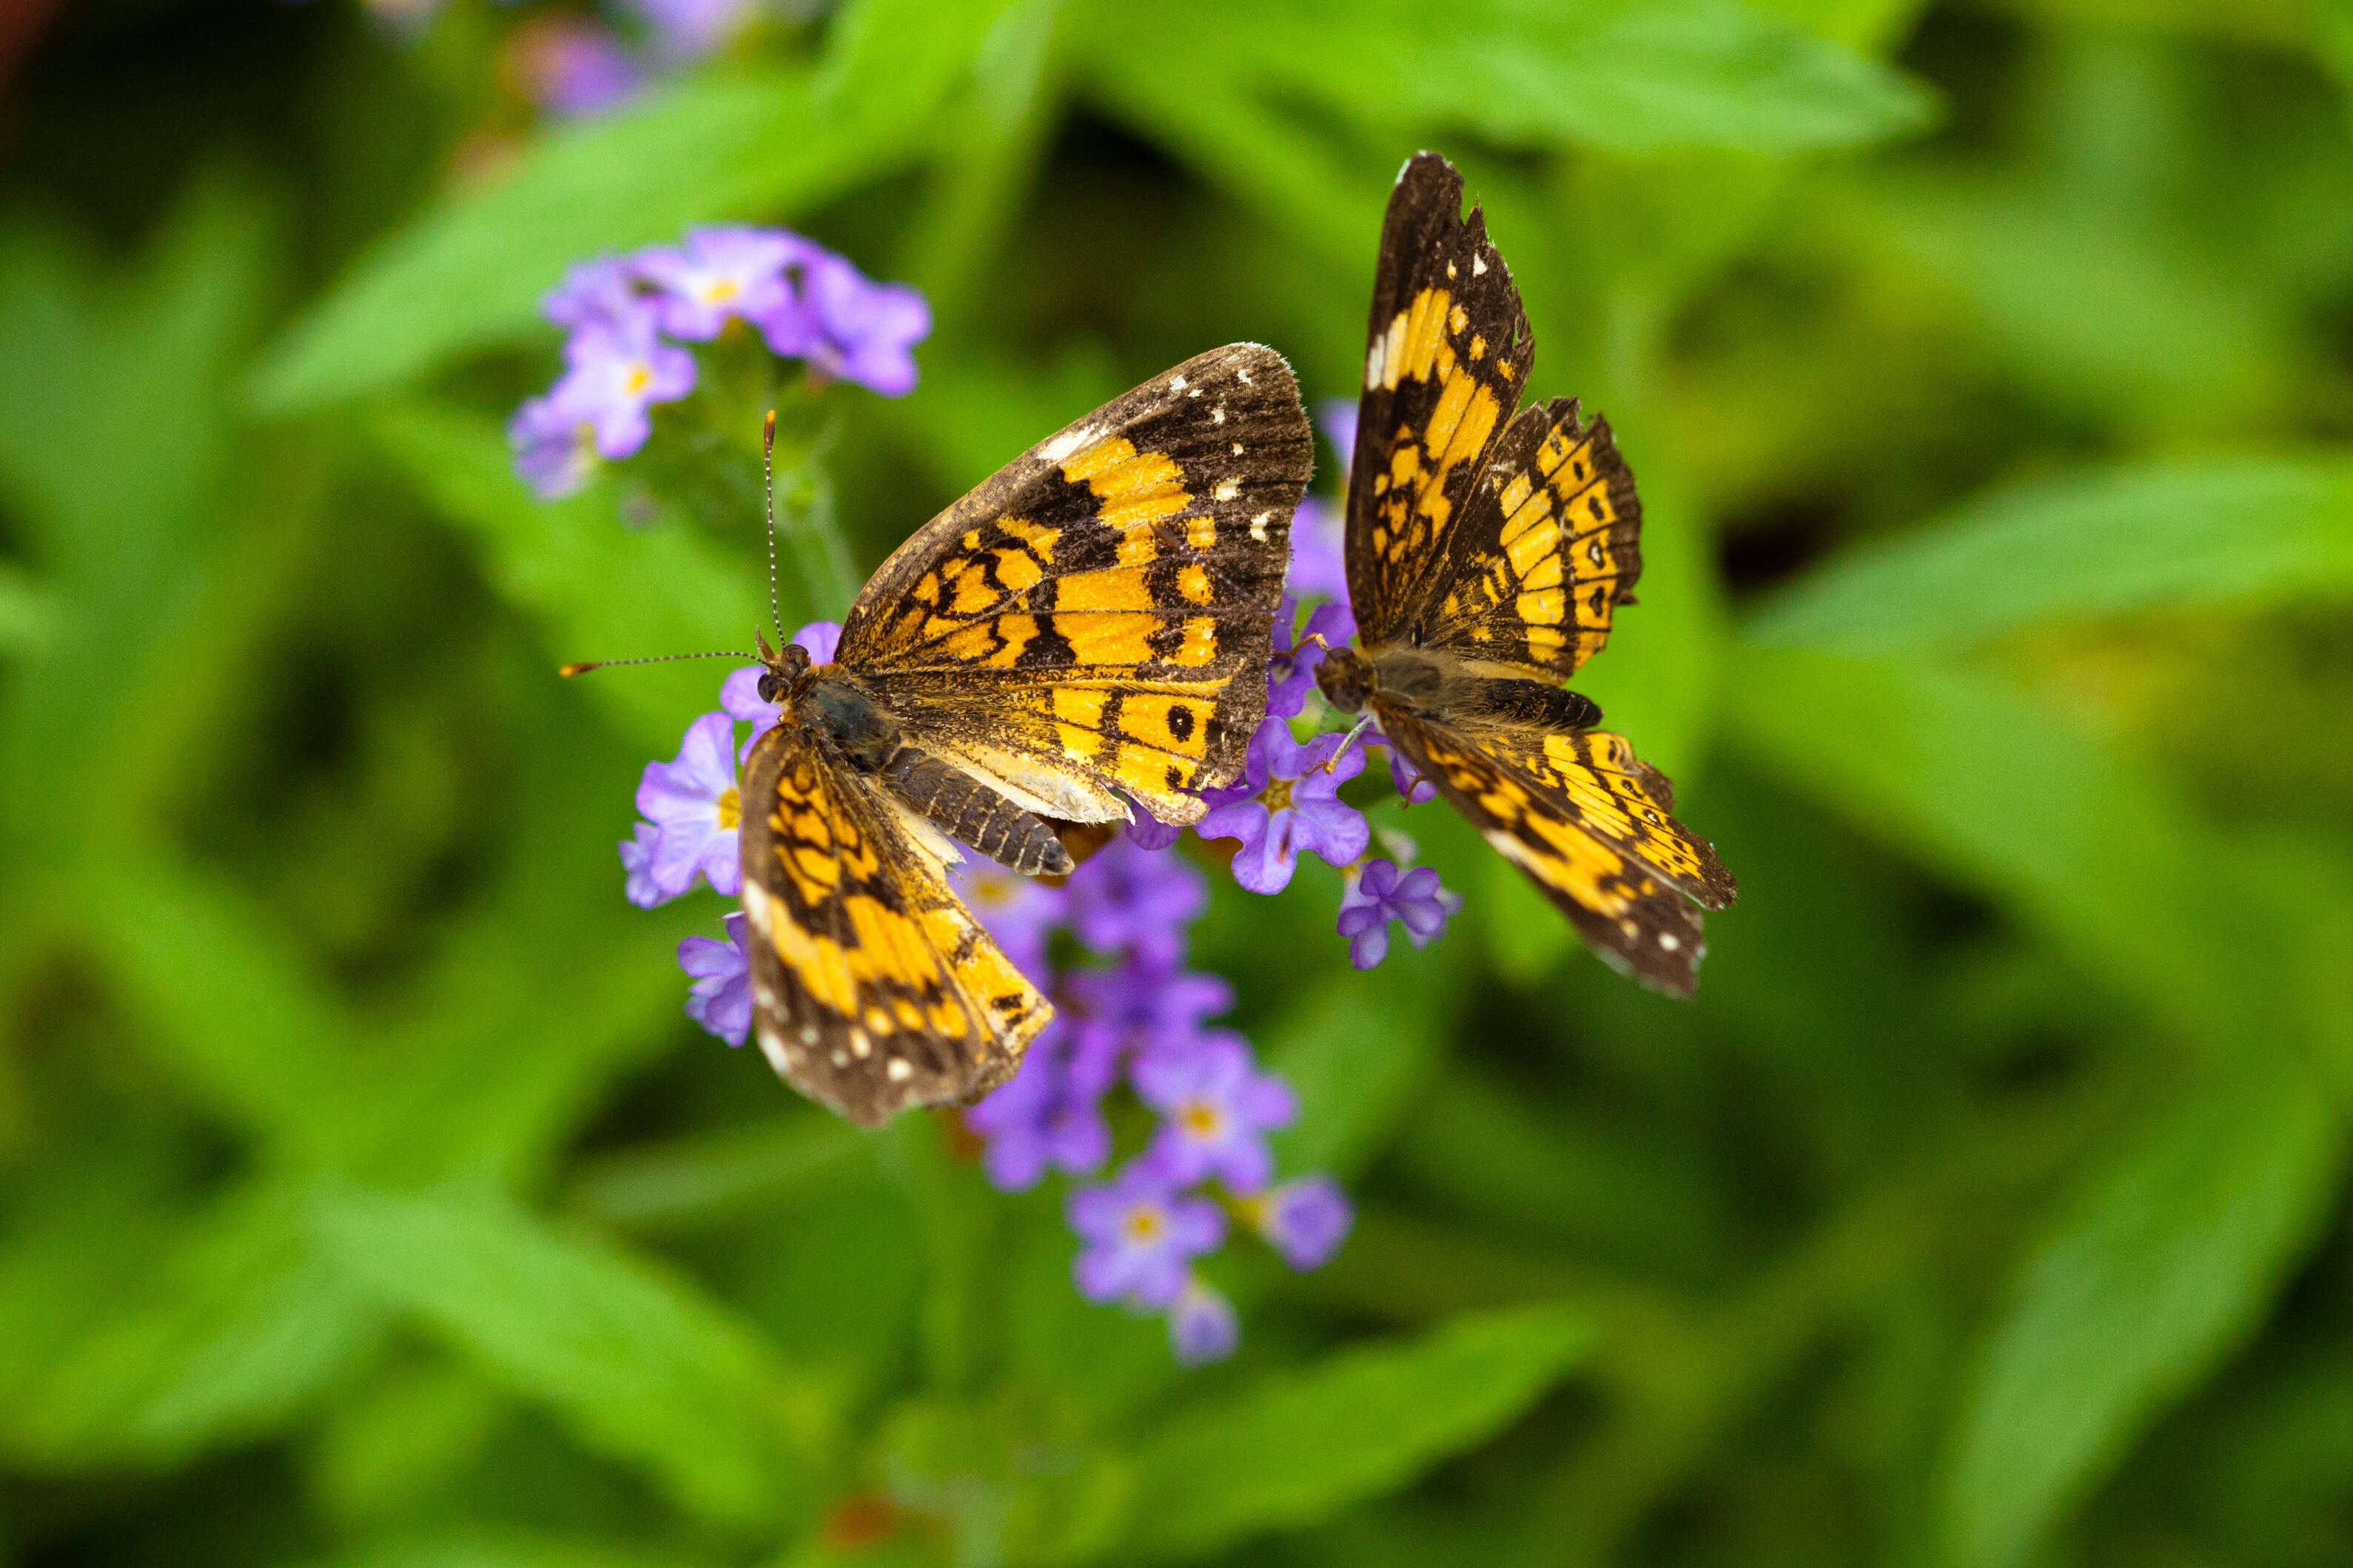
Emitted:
pixel 873 988
pixel 1096 618
pixel 1546 548
pixel 1447 352
pixel 1590 825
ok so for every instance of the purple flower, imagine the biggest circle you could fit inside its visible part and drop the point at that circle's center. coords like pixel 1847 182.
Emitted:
pixel 1305 1220
pixel 739 694
pixel 1202 1327
pixel 1042 1118
pixel 687 30
pixel 821 638
pixel 1319 563
pixel 1138 1234
pixel 1291 673
pixel 1019 911
pixel 720 271
pixel 851 327
pixel 693 800
pixel 637 865
pixel 1381 894
pixel 1144 1007
pixel 721 998
pixel 1147 831
pixel 574 69
pixel 554 448
pixel 603 291
pixel 1339 418
pixel 1130 900
pixel 618 373
pixel 1217 1108
pixel 1411 786
pixel 1288 801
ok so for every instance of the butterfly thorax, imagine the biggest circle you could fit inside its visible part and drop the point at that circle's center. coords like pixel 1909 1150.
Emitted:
pixel 1441 685
pixel 834 703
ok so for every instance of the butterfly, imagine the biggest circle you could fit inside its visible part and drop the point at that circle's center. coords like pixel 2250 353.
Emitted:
pixel 1088 628
pixel 1486 554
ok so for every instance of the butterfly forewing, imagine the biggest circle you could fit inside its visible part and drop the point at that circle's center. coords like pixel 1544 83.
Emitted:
pixel 1447 352
pixel 873 988
pixel 1095 618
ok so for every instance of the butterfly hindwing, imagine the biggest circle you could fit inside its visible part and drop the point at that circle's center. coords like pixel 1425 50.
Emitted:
pixel 1590 825
pixel 1547 549
pixel 1096 617
pixel 873 988
pixel 1447 352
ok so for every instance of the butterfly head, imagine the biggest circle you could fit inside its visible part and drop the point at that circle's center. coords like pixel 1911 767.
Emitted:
pixel 1346 678
pixel 784 673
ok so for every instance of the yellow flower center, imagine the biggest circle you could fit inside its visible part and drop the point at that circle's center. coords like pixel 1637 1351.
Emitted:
pixel 731 808
pixel 640 374
pixel 1201 1118
pixel 1145 1224
pixel 719 290
pixel 1277 793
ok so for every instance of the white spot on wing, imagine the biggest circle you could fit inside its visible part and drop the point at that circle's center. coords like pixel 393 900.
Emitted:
pixel 1227 489
pixel 1218 414
pixel 1177 382
pixel 1068 442
pixel 1669 941
pixel 898 1070
pixel 1477 266
pixel 773 1049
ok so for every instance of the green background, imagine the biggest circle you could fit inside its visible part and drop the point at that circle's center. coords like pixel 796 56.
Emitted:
pixel 365 1198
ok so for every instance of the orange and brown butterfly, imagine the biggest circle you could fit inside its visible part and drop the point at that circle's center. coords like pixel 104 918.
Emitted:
pixel 1089 628
pixel 1486 554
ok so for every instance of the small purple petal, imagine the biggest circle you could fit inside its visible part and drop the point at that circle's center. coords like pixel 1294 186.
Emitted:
pixel 1379 894
pixel 1202 1326
pixel 637 867
pixel 602 291
pixel 575 69
pixel 721 998
pixel 554 448
pixel 720 272
pixel 1337 416
pixel 616 375
pixel 1411 786
pixel 1216 1109
pixel 821 638
pixel 693 800
pixel 1305 1220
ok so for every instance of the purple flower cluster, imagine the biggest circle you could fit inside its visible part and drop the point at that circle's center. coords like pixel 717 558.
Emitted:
pixel 1139 1018
pixel 625 317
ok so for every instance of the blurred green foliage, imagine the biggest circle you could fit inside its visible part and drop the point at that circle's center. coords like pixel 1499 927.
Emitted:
pixel 365 1198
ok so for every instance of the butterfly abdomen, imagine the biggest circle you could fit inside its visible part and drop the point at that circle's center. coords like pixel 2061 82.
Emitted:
pixel 970 812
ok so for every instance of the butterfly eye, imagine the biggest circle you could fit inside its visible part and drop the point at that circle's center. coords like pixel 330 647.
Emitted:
pixel 772 689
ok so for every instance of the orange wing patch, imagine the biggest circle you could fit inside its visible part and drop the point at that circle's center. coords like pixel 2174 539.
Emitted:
pixel 1590 825
pixel 873 988
pixel 1547 550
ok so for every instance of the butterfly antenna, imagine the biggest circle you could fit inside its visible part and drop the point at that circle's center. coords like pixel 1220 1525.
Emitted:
pixel 768 485
pixel 568 670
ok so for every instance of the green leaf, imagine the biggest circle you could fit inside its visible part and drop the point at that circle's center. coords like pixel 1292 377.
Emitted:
pixel 487 1546
pixel 598 589
pixel 714 1175
pixel 1355 1051
pixel 1300 1445
pixel 471 273
pixel 638 1364
pixel 2170 1256
pixel 26 617
pixel 1640 77
pixel 229 1332
pixel 2237 531
pixel 2000 792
